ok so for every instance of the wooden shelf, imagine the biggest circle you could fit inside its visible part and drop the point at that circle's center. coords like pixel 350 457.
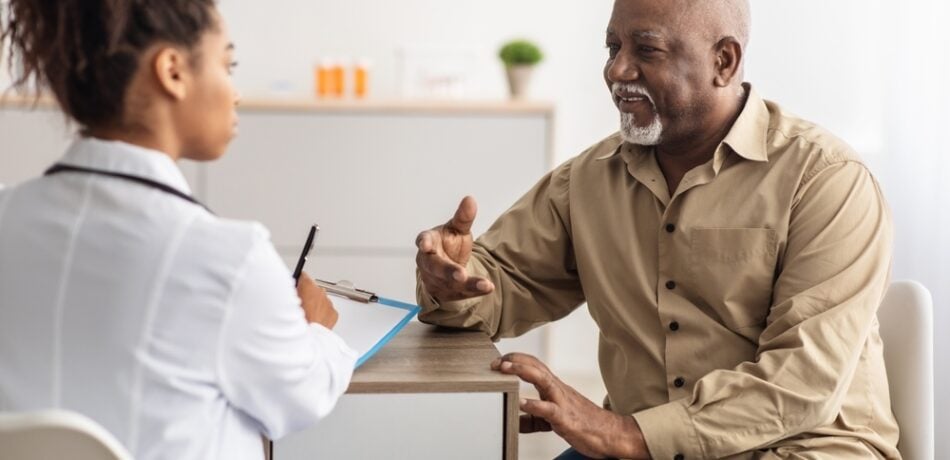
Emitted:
pixel 349 106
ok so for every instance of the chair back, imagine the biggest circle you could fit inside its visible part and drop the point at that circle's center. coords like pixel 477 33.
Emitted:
pixel 906 317
pixel 56 434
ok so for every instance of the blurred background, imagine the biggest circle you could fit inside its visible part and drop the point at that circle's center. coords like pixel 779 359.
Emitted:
pixel 875 73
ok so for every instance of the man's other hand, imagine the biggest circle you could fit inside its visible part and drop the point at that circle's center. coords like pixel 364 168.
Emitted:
pixel 589 429
pixel 443 253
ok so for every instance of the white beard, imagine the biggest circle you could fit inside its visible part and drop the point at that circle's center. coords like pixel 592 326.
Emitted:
pixel 637 135
pixel 646 135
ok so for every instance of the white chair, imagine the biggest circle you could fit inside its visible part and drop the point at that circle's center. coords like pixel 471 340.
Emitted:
pixel 56 434
pixel 906 317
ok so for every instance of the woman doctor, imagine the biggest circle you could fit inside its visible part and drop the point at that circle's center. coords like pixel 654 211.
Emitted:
pixel 123 298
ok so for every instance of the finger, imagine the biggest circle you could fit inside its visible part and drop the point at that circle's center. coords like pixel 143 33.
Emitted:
pixel 541 379
pixel 479 286
pixel 528 423
pixel 464 216
pixel 443 269
pixel 426 241
pixel 524 358
pixel 306 284
pixel 544 409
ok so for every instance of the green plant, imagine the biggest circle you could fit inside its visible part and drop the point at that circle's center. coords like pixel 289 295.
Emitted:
pixel 520 52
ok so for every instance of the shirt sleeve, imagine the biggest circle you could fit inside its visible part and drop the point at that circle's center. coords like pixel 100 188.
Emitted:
pixel 274 366
pixel 527 254
pixel 832 279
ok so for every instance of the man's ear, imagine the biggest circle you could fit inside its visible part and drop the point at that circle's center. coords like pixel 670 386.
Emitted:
pixel 729 55
pixel 171 68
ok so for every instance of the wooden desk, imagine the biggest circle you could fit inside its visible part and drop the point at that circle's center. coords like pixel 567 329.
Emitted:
pixel 422 368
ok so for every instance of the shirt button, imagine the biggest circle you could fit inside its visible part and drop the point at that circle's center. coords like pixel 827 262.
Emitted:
pixel 679 457
pixel 670 228
pixel 679 382
pixel 671 284
pixel 674 326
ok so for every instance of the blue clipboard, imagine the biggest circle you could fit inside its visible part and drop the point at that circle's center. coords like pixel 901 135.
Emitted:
pixel 367 322
pixel 411 312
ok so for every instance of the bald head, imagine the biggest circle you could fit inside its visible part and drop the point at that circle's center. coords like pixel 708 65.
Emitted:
pixel 718 19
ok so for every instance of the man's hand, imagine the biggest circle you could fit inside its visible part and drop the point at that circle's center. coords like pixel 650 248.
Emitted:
pixel 589 429
pixel 316 305
pixel 443 253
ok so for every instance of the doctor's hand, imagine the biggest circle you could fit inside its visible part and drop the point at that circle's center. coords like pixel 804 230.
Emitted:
pixel 316 305
pixel 591 430
pixel 443 253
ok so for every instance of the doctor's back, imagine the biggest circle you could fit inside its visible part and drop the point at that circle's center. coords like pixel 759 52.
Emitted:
pixel 121 297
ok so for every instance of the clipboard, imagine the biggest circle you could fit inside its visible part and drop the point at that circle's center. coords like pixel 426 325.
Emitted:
pixel 367 321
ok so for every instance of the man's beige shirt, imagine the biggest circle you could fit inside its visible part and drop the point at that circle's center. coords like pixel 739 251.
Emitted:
pixel 737 316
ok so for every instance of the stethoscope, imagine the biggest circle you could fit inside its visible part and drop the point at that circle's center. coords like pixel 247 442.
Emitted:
pixel 61 168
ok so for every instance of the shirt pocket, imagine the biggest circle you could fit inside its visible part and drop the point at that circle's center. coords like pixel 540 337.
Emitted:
pixel 733 271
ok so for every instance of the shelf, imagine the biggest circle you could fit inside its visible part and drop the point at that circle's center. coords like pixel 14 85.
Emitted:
pixel 350 106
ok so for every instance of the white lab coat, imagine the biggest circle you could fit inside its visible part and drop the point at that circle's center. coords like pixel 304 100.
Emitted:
pixel 178 331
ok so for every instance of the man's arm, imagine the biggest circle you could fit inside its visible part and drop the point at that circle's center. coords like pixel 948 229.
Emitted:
pixel 825 299
pixel 526 256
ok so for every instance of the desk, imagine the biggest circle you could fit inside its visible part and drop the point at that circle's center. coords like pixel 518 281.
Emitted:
pixel 428 394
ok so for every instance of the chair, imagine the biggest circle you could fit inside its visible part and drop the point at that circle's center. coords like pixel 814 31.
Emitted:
pixel 56 434
pixel 906 317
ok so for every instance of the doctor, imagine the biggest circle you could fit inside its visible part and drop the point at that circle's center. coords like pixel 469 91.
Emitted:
pixel 123 298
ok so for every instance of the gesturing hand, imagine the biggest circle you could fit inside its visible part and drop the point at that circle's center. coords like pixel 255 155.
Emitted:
pixel 443 253
pixel 591 430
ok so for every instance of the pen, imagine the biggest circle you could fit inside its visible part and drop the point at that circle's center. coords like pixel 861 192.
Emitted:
pixel 307 247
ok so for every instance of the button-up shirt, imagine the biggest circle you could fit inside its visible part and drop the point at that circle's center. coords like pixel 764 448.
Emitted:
pixel 179 332
pixel 737 315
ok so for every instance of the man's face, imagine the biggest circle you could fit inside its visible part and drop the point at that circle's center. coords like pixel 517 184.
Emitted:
pixel 659 71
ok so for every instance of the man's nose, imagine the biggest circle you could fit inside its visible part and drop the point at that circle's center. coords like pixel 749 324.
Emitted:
pixel 624 68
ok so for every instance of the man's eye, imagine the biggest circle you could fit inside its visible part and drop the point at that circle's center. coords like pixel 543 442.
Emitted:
pixel 648 50
pixel 612 49
pixel 231 66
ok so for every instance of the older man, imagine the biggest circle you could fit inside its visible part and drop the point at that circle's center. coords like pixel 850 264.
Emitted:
pixel 732 255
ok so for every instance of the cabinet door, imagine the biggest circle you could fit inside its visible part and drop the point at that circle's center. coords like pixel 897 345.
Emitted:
pixel 462 426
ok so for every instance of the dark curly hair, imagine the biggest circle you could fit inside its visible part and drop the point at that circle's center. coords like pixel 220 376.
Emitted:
pixel 86 51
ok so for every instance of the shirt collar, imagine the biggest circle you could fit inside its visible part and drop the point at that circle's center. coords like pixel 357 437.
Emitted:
pixel 747 136
pixel 125 158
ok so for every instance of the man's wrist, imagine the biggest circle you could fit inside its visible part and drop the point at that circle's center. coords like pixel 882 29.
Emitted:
pixel 630 442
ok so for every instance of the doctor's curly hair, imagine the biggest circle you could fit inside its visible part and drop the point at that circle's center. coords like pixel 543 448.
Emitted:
pixel 86 51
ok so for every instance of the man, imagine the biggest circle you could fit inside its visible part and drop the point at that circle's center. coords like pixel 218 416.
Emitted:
pixel 732 255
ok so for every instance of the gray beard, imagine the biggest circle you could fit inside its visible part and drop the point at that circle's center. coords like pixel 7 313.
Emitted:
pixel 647 135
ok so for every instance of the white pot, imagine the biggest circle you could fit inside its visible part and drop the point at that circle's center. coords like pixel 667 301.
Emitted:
pixel 519 77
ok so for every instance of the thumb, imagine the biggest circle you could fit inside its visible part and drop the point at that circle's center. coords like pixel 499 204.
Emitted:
pixel 464 216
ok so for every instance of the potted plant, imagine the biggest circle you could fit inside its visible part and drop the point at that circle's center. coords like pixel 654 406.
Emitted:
pixel 519 57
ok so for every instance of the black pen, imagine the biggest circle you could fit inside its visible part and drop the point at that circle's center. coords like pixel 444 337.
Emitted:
pixel 307 247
